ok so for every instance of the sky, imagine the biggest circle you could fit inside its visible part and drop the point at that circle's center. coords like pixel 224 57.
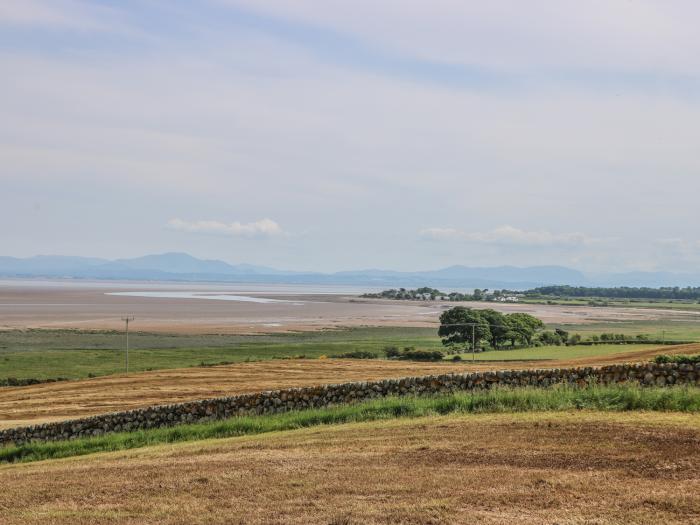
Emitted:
pixel 334 135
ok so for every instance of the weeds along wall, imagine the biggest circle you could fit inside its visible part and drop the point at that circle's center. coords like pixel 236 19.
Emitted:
pixel 270 402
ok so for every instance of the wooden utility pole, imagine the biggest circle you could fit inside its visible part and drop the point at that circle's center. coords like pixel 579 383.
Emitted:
pixel 127 320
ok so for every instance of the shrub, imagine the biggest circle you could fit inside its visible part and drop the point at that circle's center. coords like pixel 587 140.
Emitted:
pixel 550 338
pixel 574 339
pixel 358 354
pixel 13 381
pixel 422 355
pixel 204 364
pixel 391 351
pixel 680 359
pixel 457 358
pixel 412 354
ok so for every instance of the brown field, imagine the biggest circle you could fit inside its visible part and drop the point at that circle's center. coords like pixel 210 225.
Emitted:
pixel 86 306
pixel 565 468
pixel 64 400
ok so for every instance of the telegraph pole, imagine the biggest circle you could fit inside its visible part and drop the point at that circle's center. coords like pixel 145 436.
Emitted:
pixel 473 342
pixel 127 320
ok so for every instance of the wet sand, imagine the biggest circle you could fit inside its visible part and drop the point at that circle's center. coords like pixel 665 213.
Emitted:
pixel 85 305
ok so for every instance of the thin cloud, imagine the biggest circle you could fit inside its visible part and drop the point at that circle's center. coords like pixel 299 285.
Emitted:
pixel 258 229
pixel 64 14
pixel 509 235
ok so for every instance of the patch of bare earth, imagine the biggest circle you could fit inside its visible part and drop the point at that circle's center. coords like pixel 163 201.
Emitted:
pixel 65 400
pixel 527 468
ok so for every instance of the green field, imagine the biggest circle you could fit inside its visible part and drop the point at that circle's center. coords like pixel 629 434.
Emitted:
pixel 677 304
pixel 670 330
pixel 554 352
pixel 73 354
pixel 44 354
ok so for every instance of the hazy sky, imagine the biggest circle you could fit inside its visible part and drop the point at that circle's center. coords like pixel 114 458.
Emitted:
pixel 332 134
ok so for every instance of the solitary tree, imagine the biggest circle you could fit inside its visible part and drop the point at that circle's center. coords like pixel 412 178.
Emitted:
pixel 460 326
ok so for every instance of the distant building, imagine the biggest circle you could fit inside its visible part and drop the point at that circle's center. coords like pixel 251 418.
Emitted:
pixel 507 299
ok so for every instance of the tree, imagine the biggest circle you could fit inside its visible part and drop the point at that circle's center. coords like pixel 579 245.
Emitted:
pixel 550 338
pixel 497 326
pixel 563 334
pixel 458 324
pixel 575 339
pixel 524 325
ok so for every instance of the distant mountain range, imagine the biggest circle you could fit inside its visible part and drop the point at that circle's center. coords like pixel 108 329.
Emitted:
pixel 184 267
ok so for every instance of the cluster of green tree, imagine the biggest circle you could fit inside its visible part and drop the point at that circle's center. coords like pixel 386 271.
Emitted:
pixel 419 294
pixel 430 294
pixel 623 292
pixel 462 328
pixel 562 337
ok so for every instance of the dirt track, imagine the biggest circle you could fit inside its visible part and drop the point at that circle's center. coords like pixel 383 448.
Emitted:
pixel 57 401
pixel 569 468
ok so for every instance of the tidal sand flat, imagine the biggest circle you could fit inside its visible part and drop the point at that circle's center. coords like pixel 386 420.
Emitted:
pixel 226 308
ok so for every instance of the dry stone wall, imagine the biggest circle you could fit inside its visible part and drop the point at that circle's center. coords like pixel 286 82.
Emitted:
pixel 276 401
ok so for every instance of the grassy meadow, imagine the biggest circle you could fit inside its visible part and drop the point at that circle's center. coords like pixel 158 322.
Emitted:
pixel 665 304
pixel 554 352
pixel 73 354
pixel 670 330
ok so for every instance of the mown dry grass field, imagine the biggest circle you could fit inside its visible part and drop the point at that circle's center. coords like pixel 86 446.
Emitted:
pixel 583 467
pixel 55 401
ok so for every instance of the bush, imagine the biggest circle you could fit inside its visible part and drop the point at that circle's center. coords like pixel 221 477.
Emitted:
pixel 456 358
pixel 359 354
pixel 613 337
pixel 204 364
pixel 549 338
pixel 392 351
pixel 574 340
pixel 13 381
pixel 680 359
pixel 422 355
pixel 410 353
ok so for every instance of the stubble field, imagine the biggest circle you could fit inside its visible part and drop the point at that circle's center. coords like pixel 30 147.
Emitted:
pixel 65 400
pixel 584 467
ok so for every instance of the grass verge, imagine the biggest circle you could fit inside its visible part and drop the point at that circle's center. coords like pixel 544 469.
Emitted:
pixel 594 397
